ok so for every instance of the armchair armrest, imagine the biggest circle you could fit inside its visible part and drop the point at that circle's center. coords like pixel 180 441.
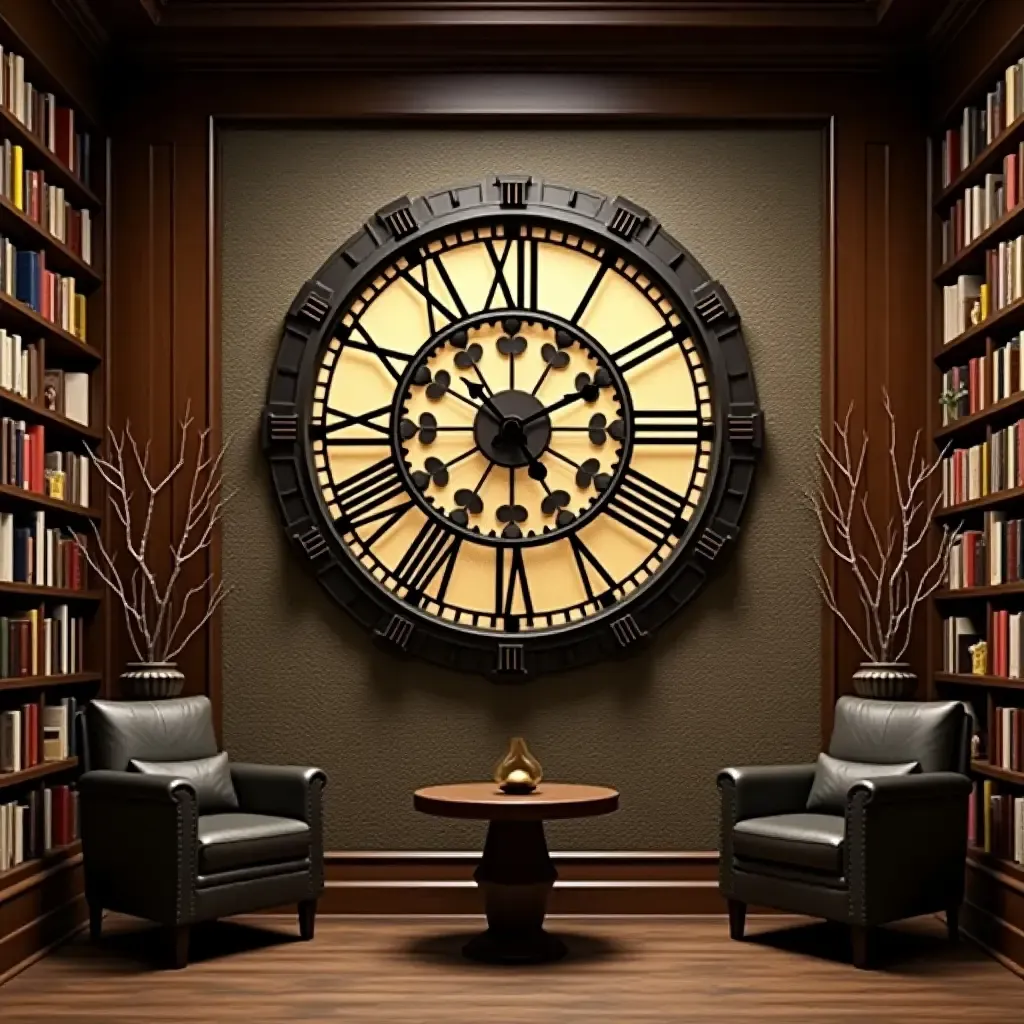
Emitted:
pixel 757 791
pixel 139 844
pixel 906 841
pixel 286 791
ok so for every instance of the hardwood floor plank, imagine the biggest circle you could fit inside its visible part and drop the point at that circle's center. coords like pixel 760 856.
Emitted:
pixel 626 971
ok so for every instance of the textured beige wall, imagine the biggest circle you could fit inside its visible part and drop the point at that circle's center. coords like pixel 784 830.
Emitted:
pixel 735 679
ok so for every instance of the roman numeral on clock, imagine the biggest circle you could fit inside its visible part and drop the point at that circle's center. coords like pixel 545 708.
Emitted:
pixel 646 507
pixel 364 341
pixel 595 283
pixel 363 494
pixel 435 306
pixel 671 426
pixel 508 587
pixel 650 345
pixel 327 431
pixel 435 549
pixel 584 558
pixel 500 281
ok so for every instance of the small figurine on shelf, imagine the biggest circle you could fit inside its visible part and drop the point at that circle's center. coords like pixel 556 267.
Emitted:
pixel 979 658
pixel 975 746
pixel 976 312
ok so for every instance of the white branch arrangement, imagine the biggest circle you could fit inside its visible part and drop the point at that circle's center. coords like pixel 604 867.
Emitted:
pixel 154 612
pixel 889 582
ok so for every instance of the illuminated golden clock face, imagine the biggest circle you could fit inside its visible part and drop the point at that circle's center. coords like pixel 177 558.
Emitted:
pixel 511 426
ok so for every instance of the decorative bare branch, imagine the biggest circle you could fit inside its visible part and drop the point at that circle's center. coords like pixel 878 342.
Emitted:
pixel 154 614
pixel 889 585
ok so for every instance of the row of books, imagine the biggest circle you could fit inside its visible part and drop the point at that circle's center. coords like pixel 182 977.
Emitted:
pixel 961 306
pixel 37 732
pixel 42 115
pixel 1006 744
pixel 25 463
pixel 23 274
pixel 44 203
pixel 985 468
pixel 959 635
pixel 983 205
pixel 981 126
pixel 32 553
pixel 19 366
pixel 1006 641
pixel 36 644
pixel 982 381
pixel 67 393
pixel 995 822
pixel 42 820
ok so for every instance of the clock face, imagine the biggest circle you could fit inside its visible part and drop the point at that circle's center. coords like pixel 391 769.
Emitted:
pixel 512 425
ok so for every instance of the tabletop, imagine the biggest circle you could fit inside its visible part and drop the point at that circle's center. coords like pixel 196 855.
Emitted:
pixel 484 800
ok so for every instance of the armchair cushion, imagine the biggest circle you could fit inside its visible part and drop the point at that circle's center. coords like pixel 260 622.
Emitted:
pixel 812 841
pixel 933 733
pixel 833 778
pixel 210 776
pixel 234 840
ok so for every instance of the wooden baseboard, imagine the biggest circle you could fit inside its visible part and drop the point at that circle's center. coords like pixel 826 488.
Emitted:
pixel 600 883
pixel 993 914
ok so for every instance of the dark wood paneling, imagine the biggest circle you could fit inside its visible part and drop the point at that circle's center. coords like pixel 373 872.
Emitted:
pixel 39 911
pixel 873 302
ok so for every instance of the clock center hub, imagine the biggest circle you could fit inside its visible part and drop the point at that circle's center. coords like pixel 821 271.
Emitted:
pixel 503 441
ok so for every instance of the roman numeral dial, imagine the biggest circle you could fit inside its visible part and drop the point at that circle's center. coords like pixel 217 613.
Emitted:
pixel 511 427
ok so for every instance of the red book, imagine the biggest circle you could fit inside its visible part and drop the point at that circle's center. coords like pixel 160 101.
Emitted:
pixel 37 457
pixel 64 143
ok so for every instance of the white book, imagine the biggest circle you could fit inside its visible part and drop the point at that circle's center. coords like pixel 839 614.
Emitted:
pixel 6 547
pixel 6 837
pixel 87 236
pixel 20 810
pixel 19 88
pixel 1014 646
pixel 6 376
pixel 76 397
pixel 83 477
pixel 10 741
pixel 39 545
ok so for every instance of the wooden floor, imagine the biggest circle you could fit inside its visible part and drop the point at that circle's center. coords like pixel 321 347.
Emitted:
pixel 626 971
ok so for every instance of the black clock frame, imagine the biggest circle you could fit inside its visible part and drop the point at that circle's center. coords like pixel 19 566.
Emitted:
pixel 311 322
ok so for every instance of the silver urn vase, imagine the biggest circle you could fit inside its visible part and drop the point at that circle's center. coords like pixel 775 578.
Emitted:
pixel 884 680
pixel 152 680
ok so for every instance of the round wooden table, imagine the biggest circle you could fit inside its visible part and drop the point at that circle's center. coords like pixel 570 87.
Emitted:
pixel 516 873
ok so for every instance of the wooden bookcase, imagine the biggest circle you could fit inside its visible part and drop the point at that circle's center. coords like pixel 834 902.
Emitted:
pixel 50 885
pixel 994 909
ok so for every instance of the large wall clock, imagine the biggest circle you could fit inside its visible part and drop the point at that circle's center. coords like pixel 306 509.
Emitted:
pixel 512 426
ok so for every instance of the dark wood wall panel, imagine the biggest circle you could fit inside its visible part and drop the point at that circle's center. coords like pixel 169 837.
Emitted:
pixel 873 321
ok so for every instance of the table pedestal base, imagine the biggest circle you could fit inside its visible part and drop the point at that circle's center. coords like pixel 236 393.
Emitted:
pixel 515 876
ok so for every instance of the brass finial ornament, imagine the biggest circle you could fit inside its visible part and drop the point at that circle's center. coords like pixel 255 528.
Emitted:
pixel 518 771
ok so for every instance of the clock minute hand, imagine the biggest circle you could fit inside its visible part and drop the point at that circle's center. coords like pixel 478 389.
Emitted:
pixel 589 392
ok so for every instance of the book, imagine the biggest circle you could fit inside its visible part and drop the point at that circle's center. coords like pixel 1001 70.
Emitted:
pixel 76 397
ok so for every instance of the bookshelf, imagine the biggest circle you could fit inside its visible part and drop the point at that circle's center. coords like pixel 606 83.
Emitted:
pixel 972 235
pixel 58 212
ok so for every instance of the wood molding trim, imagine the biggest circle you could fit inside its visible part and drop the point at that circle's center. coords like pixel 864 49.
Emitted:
pixel 599 883
pixel 992 914
pixel 40 912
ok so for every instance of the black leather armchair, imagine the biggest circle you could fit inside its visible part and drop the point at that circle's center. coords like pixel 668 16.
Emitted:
pixel 894 848
pixel 149 848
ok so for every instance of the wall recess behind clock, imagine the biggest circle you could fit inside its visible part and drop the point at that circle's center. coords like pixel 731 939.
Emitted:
pixel 511 426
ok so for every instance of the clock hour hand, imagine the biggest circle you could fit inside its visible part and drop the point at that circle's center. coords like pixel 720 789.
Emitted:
pixel 479 393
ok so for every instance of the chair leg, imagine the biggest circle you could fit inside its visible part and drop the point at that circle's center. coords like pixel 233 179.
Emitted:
pixel 307 919
pixel 737 918
pixel 859 941
pixel 953 922
pixel 95 921
pixel 179 946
